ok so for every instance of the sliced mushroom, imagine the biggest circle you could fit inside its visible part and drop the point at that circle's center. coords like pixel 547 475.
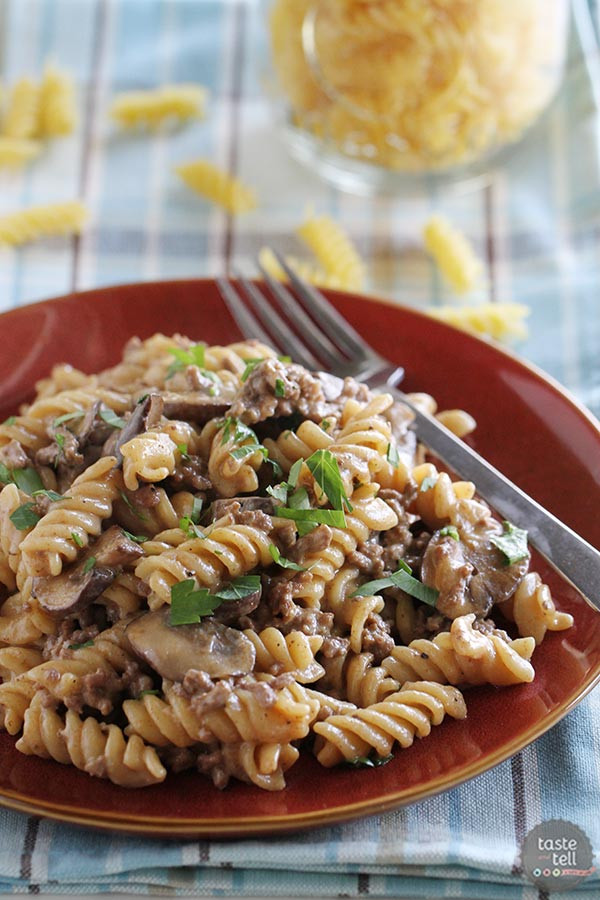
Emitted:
pixel 243 504
pixel 136 424
pixel 173 650
pixel 233 610
pixel 193 407
pixel 75 588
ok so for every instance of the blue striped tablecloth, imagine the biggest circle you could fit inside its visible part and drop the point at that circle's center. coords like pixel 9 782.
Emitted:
pixel 535 220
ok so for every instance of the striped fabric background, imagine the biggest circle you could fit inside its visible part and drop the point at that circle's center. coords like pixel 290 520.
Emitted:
pixel 536 222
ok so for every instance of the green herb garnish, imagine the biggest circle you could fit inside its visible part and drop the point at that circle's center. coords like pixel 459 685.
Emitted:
pixel 240 587
pixel 77 539
pixel 251 364
pixel 512 542
pixel 183 449
pixel 111 418
pixel 5 474
pixel 428 483
pixel 89 564
pixel 10 421
pixel 392 455
pixel 364 762
pixel 326 472
pixel 248 450
pixel 138 538
pixel 131 507
pixel 196 512
pixel 25 517
pixel 282 561
pixel 194 356
pixel 60 441
pixel 68 417
pixel 51 495
pixel 295 473
pixel 285 359
pixel 279 492
pixel 279 387
pixel 402 578
pixel 450 531
pixel 189 527
pixel 28 481
pixel 334 517
pixel 81 646
pixel 149 693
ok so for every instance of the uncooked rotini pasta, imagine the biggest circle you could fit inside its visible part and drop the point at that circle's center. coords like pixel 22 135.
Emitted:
pixel 35 222
pixel 334 251
pixel 16 152
pixel 57 114
pixel 501 321
pixel 453 254
pixel 21 117
pixel 212 558
pixel 153 108
pixel 217 185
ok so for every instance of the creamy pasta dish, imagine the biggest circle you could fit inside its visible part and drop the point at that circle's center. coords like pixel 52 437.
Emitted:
pixel 214 559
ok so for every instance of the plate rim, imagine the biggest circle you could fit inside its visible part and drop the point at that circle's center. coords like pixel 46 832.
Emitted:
pixel 227 827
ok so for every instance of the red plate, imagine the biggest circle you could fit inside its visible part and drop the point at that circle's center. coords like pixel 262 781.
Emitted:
pixel 527 426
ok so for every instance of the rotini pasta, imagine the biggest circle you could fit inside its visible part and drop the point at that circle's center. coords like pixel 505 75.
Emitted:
pixel 500 321
pixel 21 118
pixel 15 152
pixel 57 115
pixel 218 186
pixel 152 109
pixel 42 221
pixel 453 254
pixel 188 583
pixel 334 251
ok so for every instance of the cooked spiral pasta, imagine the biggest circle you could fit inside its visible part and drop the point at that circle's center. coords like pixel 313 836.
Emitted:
pixel 151 109
pixel 15 152
pixel 218 186
pixel 353 677
pixel 294 652
pixel 42 221
pixel 94 747
pixel 57 115
pixel 227 553
pixel 149 457
pixel 50 544
pixel 399 718
pixel 21 118
pixel 533 611
pixel 170 582
pixel 334 251
pixel 463 656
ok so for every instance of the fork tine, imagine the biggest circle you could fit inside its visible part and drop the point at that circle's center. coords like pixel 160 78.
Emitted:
pixel 325 314
pixel 288 341
pixel 248 323
pixel 319 342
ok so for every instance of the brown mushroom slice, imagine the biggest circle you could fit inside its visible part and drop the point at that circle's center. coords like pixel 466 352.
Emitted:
pixel 243 504
pixel 149 409
pixel 193 407
pixel 71 591
pixel 233 610
pixel 78 586
pixel 172 650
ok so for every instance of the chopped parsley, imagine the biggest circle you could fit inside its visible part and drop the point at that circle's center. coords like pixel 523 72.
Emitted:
pixel 77 539
pixel 194 356
pixel 402 578
pixel 189 527
pixel 326 425
pixel 512 542
pixel 81 646
pixel 251 364
pixel 27 480
pixel 248 450
pixel 326 472
pixel 138 538
pixel 10 421
pixel 189 605
pixel 428 483
pixel 285 359
pixel 282 561
pixel 279 387
pixel 131 507
pixel 278 491
pixel 450 531
pixel 111 418
pixel 334 517
pixel 183 449
pixel 5 474
pixel 68 417
pixel 392 455
pixel 89 564
pixel 196 512
pixel 295 473
pixel 148 693
pixel 51 495
pixel 60 440
pixel 25 517
pixel 370 762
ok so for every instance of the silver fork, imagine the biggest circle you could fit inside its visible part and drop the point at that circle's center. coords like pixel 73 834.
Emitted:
pixel 330 343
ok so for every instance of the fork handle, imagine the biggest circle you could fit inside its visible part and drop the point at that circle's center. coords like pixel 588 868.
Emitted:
pixel 574 558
